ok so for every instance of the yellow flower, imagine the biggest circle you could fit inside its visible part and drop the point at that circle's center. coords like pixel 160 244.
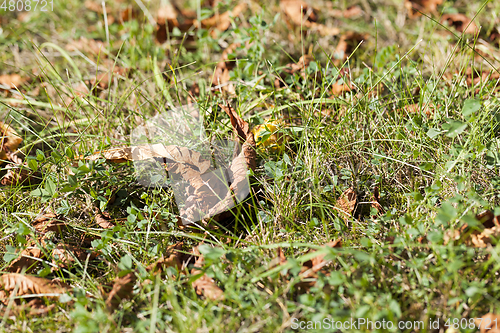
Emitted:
pixel 268 135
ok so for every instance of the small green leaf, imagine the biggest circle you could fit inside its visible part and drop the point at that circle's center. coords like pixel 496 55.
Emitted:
pixel 470 106
pixel 39 192
pixel 70 153
pixel 125 262
pixel 432 133
pixel 32 164
pixel 211 253
pixel 10 254
pixel 455 127
pixel 40 155
pixel 50 187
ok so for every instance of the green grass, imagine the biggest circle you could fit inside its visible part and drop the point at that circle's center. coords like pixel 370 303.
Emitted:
pixel 434 172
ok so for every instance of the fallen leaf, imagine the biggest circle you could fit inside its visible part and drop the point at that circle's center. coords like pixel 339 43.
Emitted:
pixel 90 47
pixel 340 88
pixel 244 134
pixel 9 141
pixel 308 273
pixel 351 12
pixel 49 222
pixel 416 109
pixel 207 192
pixel 93 6
pixel 222 21
pixel 488 323
pixel 170 17
pixel 26 261
pixel 348 42
pixel 210 193
pixel 20 175
pixel 461 23
pixel 65 255
pixel 128 14
pixel 104 221
pixel 416 7
pixel 301 14
pixel 375 201
pixel 172 258
pixel 220 78
pixel 347 201
pixel 319 261
pixel 476 76
pixel 292 68
pixel 298 11
pixel 205 285
pixel 12 81
pixel 122 289
pixel 29 285
pixel 488 233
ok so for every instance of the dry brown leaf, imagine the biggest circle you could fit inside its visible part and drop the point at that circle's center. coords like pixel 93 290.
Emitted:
pixel 172 155
pixel 20 175
pixel 170 17
pixel 122 289
pixel 351 12
pixel 128 14
pixel 49 222
pixel 475 76
pixel 489 323
pixel 323 29
pixel 347 44
pixel 12 81
pixel 104 221
pixel 375 202
pixel 347 201
pixel 489 233
pixel 30 285
pixel 416 7
pixel 9 141
pixel 209 193
pixel 319 261
pixel 223 21
pixel 416 109
pixel 93 6
pixel 173 258
pixel 461 23
pixel 299 13
pixel 205 285
pixel 25 261
pixel 221 74
pixel 64 255
pixel 90 47
pixel 310 268
pixel 340 88
pixel 293 68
